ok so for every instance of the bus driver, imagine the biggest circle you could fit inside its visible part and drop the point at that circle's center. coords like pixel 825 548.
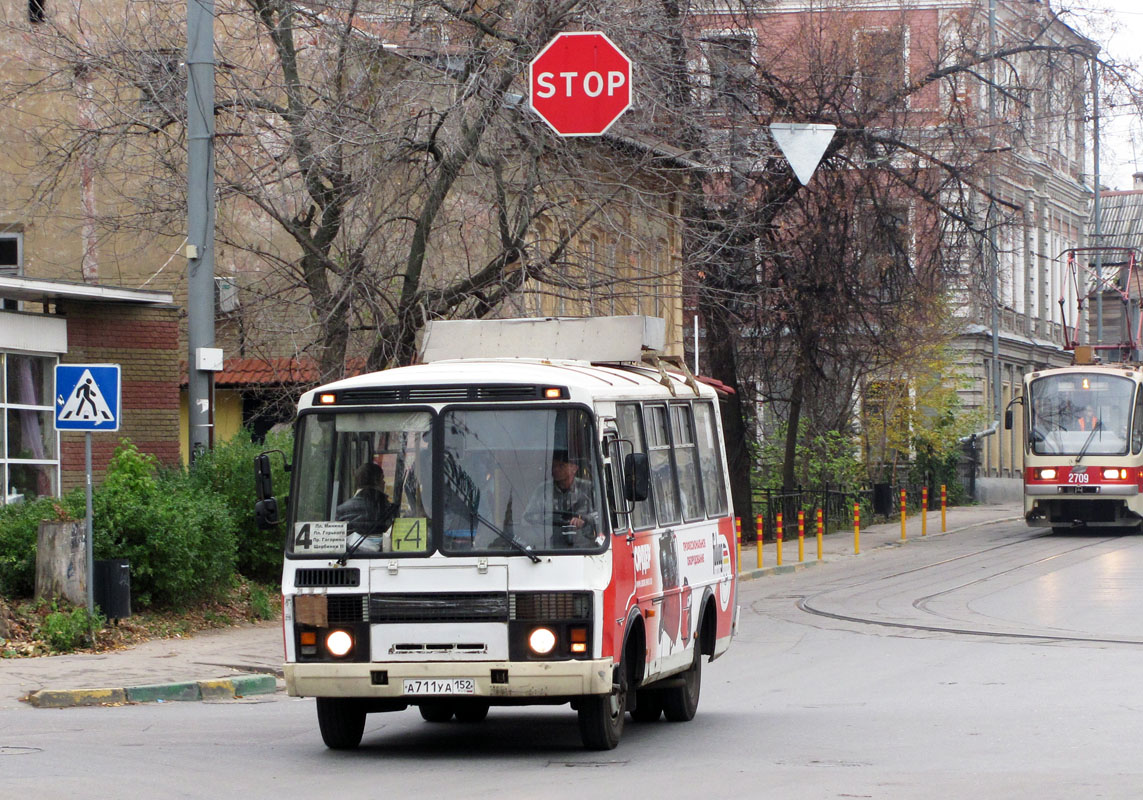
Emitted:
pixel 369 511
pixel 567 501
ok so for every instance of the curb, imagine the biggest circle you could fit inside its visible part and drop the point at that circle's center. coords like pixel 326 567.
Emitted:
pixel 209 691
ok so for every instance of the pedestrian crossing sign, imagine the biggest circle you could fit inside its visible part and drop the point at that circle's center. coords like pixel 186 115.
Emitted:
pixel 87 397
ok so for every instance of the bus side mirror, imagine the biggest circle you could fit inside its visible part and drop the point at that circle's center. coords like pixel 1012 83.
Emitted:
pixel 1008 420
pixel 266 513
pixel 636 477
pixel 263 477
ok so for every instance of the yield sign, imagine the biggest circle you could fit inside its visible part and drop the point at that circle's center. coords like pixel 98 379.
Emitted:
pixel 803 145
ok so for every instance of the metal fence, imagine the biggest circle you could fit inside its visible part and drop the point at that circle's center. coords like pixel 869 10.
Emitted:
pixel 878 502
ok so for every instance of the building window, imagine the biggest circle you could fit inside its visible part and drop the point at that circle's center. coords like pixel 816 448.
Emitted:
pixel 29 448
pixel 11 263
pixel 730 65
pixel 880 54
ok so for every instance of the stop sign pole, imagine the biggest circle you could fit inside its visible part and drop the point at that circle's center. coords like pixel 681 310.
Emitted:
pixel 580 83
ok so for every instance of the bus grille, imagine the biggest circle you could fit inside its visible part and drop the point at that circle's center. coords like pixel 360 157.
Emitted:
pixel 479 607
pixel 327 577
pixel 541 606
pixel 439 607
pixel 345 608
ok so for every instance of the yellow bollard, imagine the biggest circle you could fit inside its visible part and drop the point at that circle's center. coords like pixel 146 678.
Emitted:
pixel 857 529
pixel 821 530
pixel 924 510
pixel 758 525
pixel 738 549
pixel 778 537
pixel 944 501
pixel 902 515
pixel 801 536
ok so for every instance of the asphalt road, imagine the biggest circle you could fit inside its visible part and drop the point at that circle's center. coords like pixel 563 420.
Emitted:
pixel 996 663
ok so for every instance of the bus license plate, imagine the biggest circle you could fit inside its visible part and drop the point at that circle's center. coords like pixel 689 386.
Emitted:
pixel 445 686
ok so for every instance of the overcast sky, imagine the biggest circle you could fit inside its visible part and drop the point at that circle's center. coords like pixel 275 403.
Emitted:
pixel 1120 33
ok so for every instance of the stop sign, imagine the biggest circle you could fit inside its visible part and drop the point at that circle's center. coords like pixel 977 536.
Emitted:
pixel 580 83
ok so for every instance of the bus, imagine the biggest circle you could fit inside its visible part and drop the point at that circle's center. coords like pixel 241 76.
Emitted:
pixel 537 513
pixel 1083 448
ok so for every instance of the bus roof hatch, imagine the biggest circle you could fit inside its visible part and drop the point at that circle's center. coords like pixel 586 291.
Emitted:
pixel 614 339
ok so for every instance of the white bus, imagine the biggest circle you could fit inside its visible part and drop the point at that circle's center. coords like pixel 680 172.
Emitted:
pixel 537 514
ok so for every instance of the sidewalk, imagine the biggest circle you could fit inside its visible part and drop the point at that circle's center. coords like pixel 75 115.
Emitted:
pixel 247 660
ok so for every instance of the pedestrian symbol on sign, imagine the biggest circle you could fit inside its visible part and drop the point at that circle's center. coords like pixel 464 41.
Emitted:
pixel 86 402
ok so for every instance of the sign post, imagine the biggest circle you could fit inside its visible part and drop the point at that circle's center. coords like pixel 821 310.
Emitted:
pixel 580 83
pixel 88 398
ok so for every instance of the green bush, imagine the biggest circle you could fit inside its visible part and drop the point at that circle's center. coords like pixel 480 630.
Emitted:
pixel 19 526
pixel 65 631
pixel 179 539
pixel 228 472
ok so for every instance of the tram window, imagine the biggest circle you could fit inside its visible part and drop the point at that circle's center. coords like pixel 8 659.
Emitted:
pixel 686 458
pixel 631 429
pixel 663 483
pixel 1137 424
pixel 710 457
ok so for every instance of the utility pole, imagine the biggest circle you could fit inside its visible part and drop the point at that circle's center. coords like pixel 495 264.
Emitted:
pixel 991 222
pixel 200 224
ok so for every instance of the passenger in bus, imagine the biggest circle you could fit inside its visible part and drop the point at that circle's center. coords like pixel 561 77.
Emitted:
pixel 369 511
pixel 572 506
pixel 1087 420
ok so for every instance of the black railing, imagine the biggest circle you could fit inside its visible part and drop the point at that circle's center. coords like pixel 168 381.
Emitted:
pixel 878 502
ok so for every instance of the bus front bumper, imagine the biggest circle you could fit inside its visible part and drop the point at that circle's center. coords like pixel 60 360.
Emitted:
pixel 492 679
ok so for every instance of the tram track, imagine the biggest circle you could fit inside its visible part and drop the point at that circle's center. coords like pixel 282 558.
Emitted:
pixel 814 604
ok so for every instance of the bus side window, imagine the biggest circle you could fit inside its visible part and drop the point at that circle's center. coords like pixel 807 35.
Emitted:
pixel 710 457
pixel 631 429
pixel 1137 424
pixel 664 485
pixel 686 459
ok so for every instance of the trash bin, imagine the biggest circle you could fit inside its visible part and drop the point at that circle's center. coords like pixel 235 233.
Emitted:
pixel 883 499
pixel 111 587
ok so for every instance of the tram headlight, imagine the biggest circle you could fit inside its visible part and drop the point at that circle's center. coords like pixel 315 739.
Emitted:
pixel 1115 474
pixel 1046 474
pixel 542 641
pixel 339 643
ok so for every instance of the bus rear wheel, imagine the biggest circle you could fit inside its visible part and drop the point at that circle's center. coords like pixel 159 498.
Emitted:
pixel 436 710
pixel 471 711
pixel 341 721
pixel 680 703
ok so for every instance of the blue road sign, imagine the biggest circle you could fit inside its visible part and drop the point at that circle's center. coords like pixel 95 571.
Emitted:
pixel 87 397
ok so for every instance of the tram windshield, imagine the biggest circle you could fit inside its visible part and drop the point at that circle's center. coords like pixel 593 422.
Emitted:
pixel 504 481
pixel 1080 414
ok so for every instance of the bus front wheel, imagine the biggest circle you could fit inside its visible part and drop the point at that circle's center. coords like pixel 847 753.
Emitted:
pixel 341 721
pixel 601 716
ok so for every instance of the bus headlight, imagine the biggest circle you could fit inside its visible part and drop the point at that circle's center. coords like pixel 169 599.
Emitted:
pixel 339 643
pixel 542 641
pixel 1047 474
pixel 1115 474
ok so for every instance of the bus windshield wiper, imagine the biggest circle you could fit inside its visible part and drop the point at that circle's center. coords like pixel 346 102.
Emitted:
pixel 1087 442
pixel 512 540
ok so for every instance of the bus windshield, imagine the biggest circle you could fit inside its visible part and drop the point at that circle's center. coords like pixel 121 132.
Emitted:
pixel 1080 414
pixel 512 481
pixel 517 477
